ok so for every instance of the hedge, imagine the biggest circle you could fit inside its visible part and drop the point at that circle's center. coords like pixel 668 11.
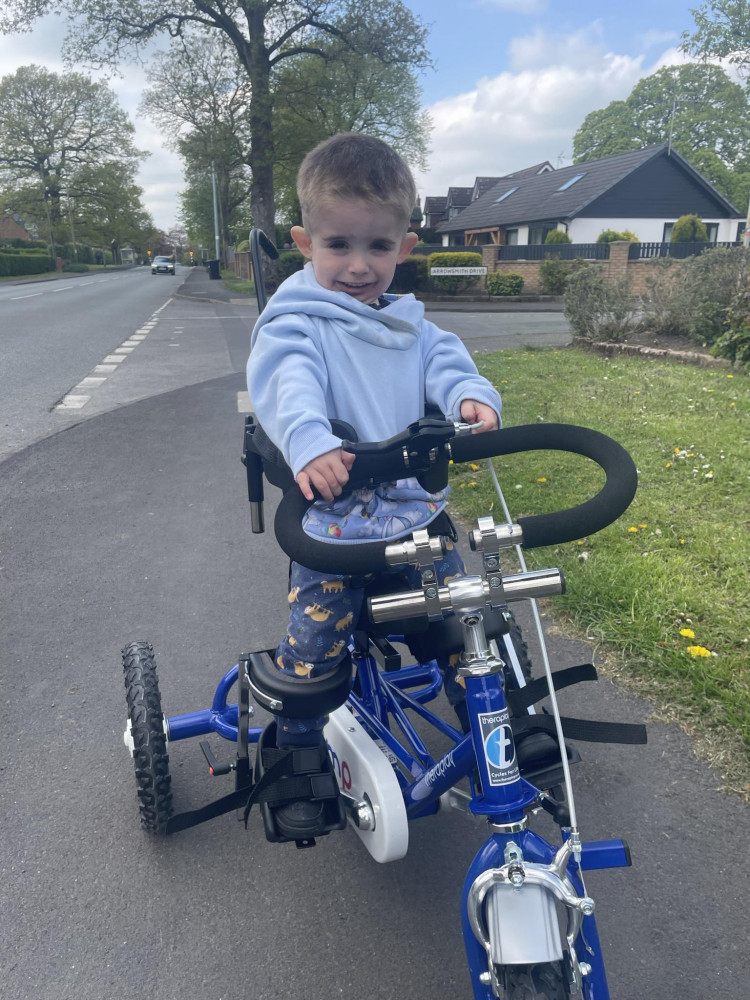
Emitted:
pixel 411 274
pixel 453 283
pixel 13 264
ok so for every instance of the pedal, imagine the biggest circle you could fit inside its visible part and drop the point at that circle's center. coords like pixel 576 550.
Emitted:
pixel 215 766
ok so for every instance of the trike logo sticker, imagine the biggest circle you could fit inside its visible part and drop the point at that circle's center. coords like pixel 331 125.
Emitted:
pixel 499 749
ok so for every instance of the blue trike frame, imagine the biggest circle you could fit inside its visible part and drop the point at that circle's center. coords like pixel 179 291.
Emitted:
pixel 385 697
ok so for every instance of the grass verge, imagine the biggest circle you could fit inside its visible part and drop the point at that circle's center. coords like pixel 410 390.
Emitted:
pixel 663 593
pixel 235 284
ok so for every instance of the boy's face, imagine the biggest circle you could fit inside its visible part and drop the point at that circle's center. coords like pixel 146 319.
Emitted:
pixel 354 246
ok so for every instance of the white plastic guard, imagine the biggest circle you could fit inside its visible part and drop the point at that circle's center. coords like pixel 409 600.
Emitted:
pixel 522 925
pixel 364 772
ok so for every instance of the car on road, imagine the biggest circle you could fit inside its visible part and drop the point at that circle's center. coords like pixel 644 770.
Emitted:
pixel 162 265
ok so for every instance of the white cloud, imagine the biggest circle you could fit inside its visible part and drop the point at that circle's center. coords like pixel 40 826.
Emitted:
pixel 652 38
pixel 520 118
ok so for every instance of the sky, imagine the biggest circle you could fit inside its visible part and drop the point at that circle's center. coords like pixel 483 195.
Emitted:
pixel 512 82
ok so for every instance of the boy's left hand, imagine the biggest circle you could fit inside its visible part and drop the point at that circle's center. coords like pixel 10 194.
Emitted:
pixel 472 411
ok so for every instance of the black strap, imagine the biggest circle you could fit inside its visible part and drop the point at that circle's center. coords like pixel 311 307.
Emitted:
pixel 521 699
pixel 183 821
pixel 316 784
pixel 585 730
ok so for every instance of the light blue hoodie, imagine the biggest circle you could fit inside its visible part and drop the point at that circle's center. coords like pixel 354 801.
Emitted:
pixel 318 355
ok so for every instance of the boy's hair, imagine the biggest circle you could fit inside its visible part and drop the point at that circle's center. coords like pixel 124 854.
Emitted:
pixel 352 165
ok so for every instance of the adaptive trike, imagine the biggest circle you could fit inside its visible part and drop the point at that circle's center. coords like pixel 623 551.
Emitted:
pixel 528 922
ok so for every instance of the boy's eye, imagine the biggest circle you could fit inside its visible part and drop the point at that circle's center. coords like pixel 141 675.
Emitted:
pixel 382 247
pixel 336 244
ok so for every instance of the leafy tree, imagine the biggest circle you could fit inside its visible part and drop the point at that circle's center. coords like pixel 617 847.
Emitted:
pixel 54 126
pixel 265 34
pixel 697 104
pixel 557 236
pixel 722 30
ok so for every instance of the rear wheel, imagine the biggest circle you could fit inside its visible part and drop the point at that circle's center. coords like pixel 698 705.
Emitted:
pixel 533 982
pixel 147 737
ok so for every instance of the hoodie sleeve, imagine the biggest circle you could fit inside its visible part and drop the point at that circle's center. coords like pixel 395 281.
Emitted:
pixel 450 374
pixel 287 382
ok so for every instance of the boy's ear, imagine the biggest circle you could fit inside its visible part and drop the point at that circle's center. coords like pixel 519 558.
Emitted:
pixel 407 245
pixel 303 241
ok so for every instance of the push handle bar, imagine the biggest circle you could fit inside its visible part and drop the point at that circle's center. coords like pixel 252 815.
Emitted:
pixel 542 529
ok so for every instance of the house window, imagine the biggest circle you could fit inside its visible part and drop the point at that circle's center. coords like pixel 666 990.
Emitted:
pixel 539 234
pixel 740 231
pixel 511 237
pixel 507 193
pixel 571 182
pixel 712 228
pixel 667 236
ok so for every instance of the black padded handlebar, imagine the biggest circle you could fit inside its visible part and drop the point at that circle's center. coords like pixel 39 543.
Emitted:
pixel 542 529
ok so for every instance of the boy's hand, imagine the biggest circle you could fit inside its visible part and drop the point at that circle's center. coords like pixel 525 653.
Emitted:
pixel 328 473
pixel 473 411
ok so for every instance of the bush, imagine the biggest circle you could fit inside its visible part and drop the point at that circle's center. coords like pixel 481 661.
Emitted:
pixel 412 274
pixel 734 343
pixel 78 268
pixel 596 308
pixel 711 283
pixel 452 284
pixel 610 235
pixel 554 274
pixel 501 283
pixel 663 302
pixel 689 229
pixel 289 262
pixel 557 236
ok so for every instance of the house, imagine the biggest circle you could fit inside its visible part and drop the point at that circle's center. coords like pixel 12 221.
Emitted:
pixel 645 191
pixel 439 208
pixel 11 229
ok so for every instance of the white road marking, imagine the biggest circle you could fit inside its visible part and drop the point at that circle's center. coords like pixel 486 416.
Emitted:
pixel 33 295
pixel 113 359
pixel 243 403
pixel 105 368
pixel 71 402
pixel 90 382
pixel 67 288
pixel 124 350
pixel 130 343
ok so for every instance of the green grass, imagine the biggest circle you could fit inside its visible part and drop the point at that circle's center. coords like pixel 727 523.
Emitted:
pixel 235 284
pixel 677 562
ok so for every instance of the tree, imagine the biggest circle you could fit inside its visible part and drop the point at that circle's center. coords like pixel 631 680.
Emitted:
pixel 265 34
pixel 56 125
pixel 315 98
pixel 696 104
pixel 722 30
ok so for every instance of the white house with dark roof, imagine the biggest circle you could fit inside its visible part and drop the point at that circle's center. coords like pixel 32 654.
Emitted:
pixel 645 191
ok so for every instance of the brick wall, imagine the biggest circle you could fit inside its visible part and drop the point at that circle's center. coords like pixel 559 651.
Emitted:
pixel 618 266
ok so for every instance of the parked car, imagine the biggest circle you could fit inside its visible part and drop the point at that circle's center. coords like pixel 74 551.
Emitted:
pixel 162 265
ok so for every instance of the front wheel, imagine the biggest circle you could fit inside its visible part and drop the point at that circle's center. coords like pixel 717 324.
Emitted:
pixel 533 982
pixel 146 738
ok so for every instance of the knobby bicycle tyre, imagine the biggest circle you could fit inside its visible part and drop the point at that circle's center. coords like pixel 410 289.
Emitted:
pixel 150 757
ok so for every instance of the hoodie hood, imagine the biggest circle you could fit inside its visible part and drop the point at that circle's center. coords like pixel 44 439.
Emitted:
pixel 395 326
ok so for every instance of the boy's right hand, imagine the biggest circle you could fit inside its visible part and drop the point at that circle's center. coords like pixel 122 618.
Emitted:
pixel 328 473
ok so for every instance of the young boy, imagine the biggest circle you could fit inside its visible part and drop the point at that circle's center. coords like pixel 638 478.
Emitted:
pixel 332 345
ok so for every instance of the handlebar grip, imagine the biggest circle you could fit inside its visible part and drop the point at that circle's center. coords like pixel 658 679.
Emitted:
pixel 564 525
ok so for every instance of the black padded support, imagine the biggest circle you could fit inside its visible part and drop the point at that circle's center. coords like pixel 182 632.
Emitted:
pixel 298 697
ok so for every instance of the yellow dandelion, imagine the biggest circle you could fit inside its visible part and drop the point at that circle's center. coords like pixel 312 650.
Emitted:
pixel 542 479
pixel 730 376
pixel 642 525
pixel 669 465
pixel 474 466
pixel 688 633
pixel 682 541
pixel 699 651
pixel 472 483
pixel 633 530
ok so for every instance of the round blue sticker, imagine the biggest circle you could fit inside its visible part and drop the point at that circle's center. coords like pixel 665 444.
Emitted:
pixel 499 747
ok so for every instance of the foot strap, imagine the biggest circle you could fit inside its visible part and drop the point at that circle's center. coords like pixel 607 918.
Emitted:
pixel 291 775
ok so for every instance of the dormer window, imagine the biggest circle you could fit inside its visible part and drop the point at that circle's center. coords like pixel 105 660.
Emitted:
pixel 506 195
pixel 571 182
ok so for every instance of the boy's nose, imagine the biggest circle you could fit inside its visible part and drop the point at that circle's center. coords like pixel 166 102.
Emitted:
pixel 357 263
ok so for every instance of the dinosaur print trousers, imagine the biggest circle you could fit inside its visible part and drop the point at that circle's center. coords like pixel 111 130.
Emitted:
pixel 323 610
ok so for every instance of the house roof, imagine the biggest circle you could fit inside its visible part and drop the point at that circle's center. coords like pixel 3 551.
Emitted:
pixel 545 197
pixel 11 229
pixel 435 203
pixel 482 185
pixel 539 168
pixel 459 196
